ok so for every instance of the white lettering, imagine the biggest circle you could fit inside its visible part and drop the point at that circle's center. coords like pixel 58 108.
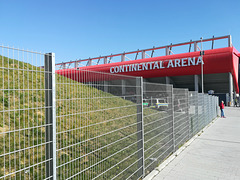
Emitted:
pixel 150 65
pixel 170 63
pixel 156 65
pixel 199 60
pixel 130 67
pixel 121 68
pixel 126 68
pixel 161 65
pixel 191 61
pixel 134 67
pixel 144 66
pixel 139 68
pixel 184 62
pixel 116 69
pixel 111 70
pixel 177 63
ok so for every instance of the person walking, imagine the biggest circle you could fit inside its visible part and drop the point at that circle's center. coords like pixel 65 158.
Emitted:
pixel 236 102
pixel 221 108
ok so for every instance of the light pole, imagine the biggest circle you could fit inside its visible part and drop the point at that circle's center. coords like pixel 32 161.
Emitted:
pixel 201 53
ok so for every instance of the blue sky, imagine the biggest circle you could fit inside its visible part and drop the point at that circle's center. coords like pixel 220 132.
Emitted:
pixel 76 29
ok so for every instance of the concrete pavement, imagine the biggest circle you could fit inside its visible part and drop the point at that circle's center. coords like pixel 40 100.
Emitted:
pixel 215 154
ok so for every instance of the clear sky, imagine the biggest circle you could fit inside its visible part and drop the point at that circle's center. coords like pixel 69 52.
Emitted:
pixel 76 29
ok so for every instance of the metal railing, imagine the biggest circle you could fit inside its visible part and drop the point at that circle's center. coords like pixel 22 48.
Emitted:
pixel 189 46
pixel 89 125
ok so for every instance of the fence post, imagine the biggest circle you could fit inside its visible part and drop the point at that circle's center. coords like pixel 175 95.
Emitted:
pixel 173 128
pixel 140 127
pixel 188 113
pixel 50 115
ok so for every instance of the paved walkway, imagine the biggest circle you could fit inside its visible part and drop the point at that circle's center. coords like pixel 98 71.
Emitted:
pixel 215 154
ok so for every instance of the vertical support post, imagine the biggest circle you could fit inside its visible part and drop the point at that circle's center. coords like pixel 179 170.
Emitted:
pixel 229 41
pixel 230 89
pixel 76 64
pixel 173 127
pixel 140 127
pixel 89 62
pixel 196 108
pixel 123 87
pixel 196 76
pixel 168 80
pixel 195 46
pixel 196 83
pixel 167 51
pixel 199 119
pixel 202 67
pixel 105 86
pixel 212 42
pixel 188 114
pixel 143 54
pixel 105 60
pixel 122 57
pixel 50 115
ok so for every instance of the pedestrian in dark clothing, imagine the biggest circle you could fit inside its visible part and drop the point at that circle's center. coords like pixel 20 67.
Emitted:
pixel 236 102
pixel 221 108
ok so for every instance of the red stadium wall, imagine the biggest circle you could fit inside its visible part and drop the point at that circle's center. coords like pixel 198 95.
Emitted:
pixel 222 60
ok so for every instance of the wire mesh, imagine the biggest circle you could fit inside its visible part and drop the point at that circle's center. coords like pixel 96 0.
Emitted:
pixel 22 115
pixel 158 124
pixel 107 126
pixel 206 107
pixel 200 111
pixel 97 126
pixel 193 112
pixel 181 116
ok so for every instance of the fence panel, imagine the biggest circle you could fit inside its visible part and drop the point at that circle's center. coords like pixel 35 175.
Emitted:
pixel 212 107
pixel 98 127
pixel 200 111
pixel 217 106
pixel 206 109
pixel 193 112
pixel 24 152
pixel 158 123
pixel 181 116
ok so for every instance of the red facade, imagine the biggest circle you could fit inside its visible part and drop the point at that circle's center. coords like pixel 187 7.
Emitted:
pixel 222 60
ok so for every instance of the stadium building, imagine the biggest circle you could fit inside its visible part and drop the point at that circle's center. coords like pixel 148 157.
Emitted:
pixel 212 69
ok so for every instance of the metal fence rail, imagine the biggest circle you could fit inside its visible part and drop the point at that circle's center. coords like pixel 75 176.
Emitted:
pixel 89 125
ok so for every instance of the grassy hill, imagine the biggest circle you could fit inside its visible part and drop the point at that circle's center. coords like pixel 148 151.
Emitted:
pixel 83 113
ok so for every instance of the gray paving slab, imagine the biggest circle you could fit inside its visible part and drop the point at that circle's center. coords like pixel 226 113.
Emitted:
pixel 215 154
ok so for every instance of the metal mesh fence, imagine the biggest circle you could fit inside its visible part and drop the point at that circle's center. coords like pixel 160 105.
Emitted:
pixel 181 116
pixel 89 125
pixel 201 115
pixel 193 112
pixel 99 131
pixel 158 124
pixel 23 126
pixel 206 107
